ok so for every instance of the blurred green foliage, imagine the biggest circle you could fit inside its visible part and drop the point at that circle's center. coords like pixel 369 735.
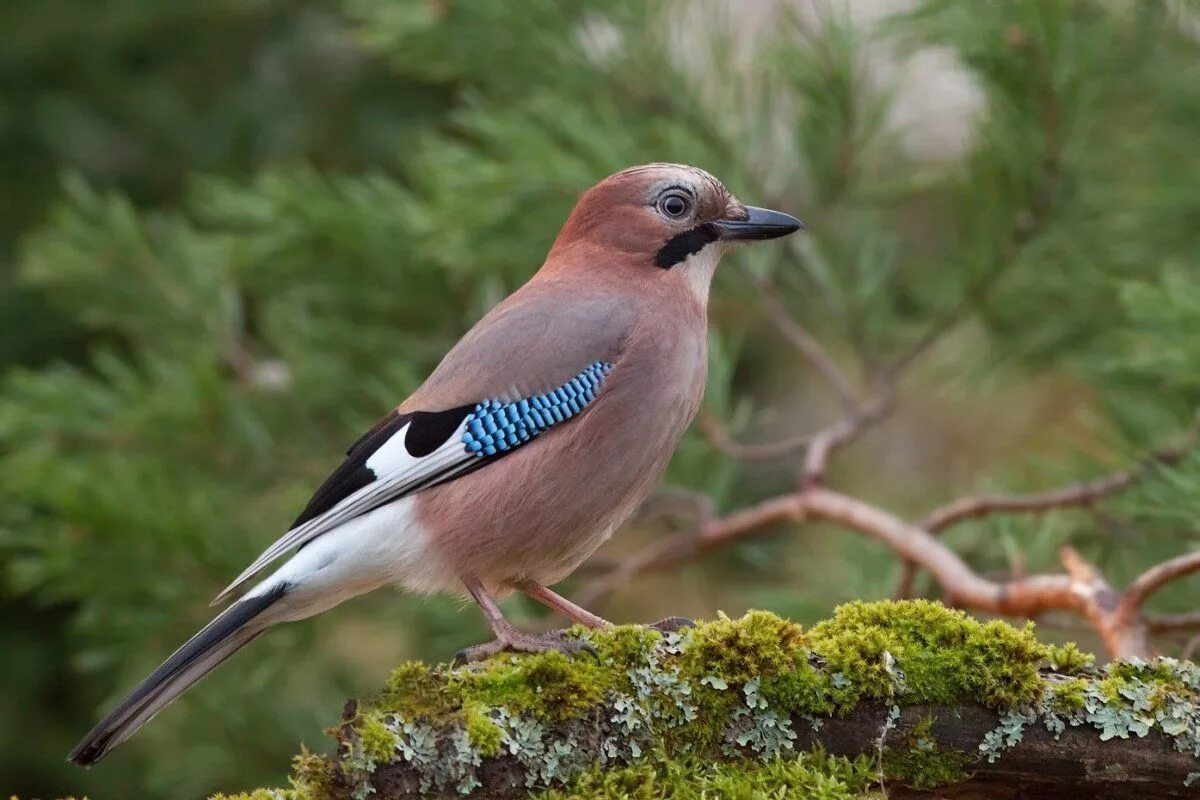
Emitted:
pixel 235 233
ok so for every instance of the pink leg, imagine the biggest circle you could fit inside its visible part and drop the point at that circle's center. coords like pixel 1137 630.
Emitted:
pixel 508 637
pixel 562 605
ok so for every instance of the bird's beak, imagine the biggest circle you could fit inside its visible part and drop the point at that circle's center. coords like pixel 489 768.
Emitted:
pixel 759 224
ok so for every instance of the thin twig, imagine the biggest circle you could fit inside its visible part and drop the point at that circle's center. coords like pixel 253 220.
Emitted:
pixel 807 344
pixel 1170 623
pixel 830 439
pixel 1154 579
pixel 720 438
pixel 1076 495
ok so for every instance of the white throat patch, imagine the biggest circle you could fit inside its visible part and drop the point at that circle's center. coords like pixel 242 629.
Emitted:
pixel 698 270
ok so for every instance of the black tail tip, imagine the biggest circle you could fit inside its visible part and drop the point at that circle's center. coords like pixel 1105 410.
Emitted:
pixel 88 752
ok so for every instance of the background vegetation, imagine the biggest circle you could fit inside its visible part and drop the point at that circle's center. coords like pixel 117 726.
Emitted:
pixel 234 233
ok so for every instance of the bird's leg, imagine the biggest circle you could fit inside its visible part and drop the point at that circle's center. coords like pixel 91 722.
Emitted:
pixel 584 617
pixel 508 636
pixel 562 605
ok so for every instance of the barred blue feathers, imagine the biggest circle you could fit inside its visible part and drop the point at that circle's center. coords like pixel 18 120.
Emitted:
pixel 496 427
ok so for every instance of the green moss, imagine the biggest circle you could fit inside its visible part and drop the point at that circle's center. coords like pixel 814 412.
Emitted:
pixel 621 644
pixel 917 761
pixel 311 775
pixel 945 656
pixel 758 644
pixel 812 776
pixel 808 690
pixel 550 686
pixel 1159 676
pixel 484 735
pixel 1067 697
pixel 682 691
pixel 1069 659
pixel 414 687
pixel 378 742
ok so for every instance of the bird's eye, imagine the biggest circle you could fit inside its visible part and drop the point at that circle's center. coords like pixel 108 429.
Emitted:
pixel 674 205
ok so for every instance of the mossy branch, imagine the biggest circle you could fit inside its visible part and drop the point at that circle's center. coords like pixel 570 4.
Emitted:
pixel 899 696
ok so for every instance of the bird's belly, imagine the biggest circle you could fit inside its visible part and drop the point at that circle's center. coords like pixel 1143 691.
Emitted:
pixel 384 546
pixel 542 533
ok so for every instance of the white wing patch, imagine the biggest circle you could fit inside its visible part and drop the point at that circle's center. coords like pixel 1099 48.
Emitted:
pixel 397 473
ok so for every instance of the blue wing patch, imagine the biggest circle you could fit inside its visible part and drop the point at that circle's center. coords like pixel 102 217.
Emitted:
pixel 496 427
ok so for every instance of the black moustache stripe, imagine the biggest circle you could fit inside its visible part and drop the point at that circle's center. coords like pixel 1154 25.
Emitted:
pixel 685 244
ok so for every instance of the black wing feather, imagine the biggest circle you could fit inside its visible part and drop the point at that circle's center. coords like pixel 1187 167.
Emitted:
pixel 353 473
pixel 427 431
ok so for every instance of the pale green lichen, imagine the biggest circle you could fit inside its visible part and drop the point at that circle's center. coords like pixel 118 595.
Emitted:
pixel 1129 698
pixel 1010 731
pixel 731 691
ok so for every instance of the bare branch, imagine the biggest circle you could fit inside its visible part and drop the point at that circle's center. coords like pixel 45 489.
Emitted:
pixel 1154 579
pixel 677 502
pixel 807 344
pixel 830 439
pixel 1080 588
pixel 1170 623
pixel 719 436
pixel 1077 495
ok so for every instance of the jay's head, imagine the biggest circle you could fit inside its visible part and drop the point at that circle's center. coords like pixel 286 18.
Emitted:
pixel 664 218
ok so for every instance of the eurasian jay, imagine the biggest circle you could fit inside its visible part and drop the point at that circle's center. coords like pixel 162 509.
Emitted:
pixel 533 439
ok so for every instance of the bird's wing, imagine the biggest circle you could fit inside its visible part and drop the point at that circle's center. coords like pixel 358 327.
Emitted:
pixel 536 361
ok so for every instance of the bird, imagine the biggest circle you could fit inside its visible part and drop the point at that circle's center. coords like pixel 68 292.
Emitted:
pixel 539 432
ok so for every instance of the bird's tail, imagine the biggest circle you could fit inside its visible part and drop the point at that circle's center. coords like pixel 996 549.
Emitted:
pixel 234 628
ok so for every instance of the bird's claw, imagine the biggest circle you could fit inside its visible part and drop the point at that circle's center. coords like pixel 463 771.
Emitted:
pixel 555 641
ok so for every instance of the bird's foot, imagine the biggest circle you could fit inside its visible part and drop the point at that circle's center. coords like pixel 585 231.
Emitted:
pixel 672 624
pixel 519 642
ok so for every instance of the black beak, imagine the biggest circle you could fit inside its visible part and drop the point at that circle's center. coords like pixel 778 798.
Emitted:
pixel 762 223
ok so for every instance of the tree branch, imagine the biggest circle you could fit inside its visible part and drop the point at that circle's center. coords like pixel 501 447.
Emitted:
pixel 1077 495
pixel 1155 578
pixel 720 438
pixel 832 438
pixel 1080 588
pixel 806 343
pixel 1169 623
